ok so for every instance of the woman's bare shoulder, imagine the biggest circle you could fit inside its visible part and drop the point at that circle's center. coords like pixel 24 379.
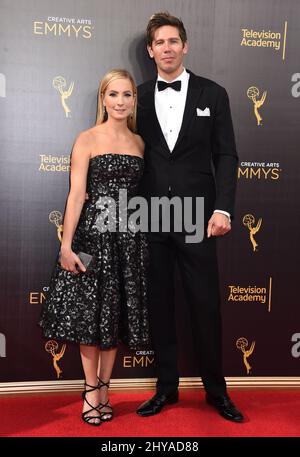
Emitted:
pixel 83 144
pixel 139 142
pixel 87 139
pixel 90 135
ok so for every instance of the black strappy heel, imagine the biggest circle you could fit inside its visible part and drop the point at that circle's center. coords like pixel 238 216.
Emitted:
pixel 105 416
pixel 85 417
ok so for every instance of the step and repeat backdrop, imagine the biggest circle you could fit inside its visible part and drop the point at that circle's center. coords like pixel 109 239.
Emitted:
pixel 52 57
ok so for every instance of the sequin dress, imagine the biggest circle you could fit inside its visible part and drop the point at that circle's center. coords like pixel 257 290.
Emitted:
pixel 109 304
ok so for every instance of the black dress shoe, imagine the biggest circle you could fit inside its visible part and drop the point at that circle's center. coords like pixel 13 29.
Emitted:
pixel 156 403
pixel 225 407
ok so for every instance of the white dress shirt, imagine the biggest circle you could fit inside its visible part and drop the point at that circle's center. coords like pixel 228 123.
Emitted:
pixel 169 107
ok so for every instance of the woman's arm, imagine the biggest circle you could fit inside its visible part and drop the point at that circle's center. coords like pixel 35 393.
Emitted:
pixel 76 198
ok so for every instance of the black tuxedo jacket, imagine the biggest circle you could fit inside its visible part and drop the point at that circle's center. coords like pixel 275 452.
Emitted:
pixel 204 160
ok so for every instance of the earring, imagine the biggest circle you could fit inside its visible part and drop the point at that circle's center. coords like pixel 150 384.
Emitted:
pixel 104 110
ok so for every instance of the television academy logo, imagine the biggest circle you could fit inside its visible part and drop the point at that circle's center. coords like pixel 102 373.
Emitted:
pixel 265 39
pixel 251 294
pixel 50 163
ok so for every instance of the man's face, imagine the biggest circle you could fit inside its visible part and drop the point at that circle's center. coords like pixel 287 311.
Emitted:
pixel 168 51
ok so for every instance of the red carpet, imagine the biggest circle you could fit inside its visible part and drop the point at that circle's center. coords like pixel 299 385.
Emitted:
pixel 268 413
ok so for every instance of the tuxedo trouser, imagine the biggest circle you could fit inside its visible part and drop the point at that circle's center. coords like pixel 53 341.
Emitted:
pixel 199 273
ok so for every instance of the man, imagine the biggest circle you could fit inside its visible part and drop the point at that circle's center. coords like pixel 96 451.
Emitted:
pixel 189 152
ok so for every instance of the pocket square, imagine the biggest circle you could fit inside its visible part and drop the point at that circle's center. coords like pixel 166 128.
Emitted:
pixel 203 112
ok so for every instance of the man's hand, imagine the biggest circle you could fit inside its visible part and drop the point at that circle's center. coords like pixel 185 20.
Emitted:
pixel 218 224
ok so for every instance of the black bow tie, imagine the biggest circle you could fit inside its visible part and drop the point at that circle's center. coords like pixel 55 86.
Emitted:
pixel 162 85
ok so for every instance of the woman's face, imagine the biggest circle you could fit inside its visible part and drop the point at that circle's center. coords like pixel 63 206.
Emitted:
pixel 119 99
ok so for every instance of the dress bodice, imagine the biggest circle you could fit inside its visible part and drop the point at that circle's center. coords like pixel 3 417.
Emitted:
pixel 109 173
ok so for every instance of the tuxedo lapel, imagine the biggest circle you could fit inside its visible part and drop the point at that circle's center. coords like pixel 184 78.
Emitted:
pixel 147 103
pixel 193 94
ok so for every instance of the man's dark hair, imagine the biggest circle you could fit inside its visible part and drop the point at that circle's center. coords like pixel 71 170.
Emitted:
pixel 158 20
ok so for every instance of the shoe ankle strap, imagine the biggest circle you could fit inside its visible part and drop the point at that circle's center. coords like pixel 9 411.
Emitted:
pixel 91 387
pixel 103 383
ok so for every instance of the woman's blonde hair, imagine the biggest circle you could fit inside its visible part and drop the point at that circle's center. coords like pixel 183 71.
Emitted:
pixel 111 76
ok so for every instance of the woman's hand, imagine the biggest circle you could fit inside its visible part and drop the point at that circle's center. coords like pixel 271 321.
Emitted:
pixel 69 261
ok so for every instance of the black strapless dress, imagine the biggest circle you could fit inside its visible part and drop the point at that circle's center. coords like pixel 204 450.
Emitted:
pixel 108 304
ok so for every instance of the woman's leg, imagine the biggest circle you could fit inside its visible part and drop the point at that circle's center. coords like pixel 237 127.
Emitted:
pixel 106 363
pixel 90 360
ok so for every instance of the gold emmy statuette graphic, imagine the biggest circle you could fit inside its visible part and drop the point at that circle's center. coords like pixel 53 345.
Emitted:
pixel 241 344
pixel 51 346
pixel 59 83
pixel 253 93
pixel 249 221
pixel 55 217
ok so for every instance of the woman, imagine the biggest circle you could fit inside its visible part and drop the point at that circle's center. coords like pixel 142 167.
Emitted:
pixel 99 307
